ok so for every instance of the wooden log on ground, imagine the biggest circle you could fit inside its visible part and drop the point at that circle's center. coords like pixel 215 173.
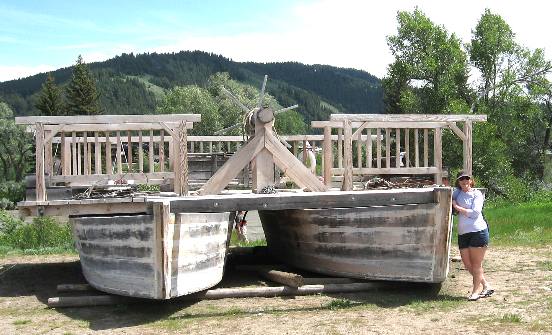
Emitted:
pixel 86 301
pixel 221 293
pixel 276 275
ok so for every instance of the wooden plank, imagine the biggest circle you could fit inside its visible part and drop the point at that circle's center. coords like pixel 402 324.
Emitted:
pixel 40 181
pixel 64 156
pixel 416 149
pixel 467 147
pixel 116 127
pixel 359 130
pixel 162 151
pixel 327 159
pixel 426 150
pixel 48 159
pixel 108 119
pixel 376 171
pixel 387 147
pixel 292 167
pixel 168 240
pixel 442 231
pixel 359 150
pixel 118 153
pixel 89 157
pixel 304 157
pixel 378 148
pixel 97 154
pixel 158 254
pixel 408 117
pixel 140 152
pixel 233 166
pixel 85 154
pixel 74 153
pixel 340 147
pixel 79 159
pixel 303 200
pixel 397 147
pixel 85 180
pixel 150 153
pixel 181 161
pixel 456 130
pixel 348 157
pixel 65 209
pixel 407 147
pixel 438 155
pixel 129 152
pixel 369 148
pixel 108 167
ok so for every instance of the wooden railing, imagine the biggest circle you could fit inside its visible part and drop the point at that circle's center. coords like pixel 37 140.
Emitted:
pixel 391 144
pixel 102 137
pixel 83 150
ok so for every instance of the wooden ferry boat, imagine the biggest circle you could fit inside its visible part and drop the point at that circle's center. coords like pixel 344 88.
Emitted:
pixel 161 247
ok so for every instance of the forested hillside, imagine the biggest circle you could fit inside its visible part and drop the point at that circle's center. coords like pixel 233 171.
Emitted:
pixel 135 84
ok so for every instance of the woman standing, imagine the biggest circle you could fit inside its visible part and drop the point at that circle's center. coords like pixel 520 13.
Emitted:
pixel 473 232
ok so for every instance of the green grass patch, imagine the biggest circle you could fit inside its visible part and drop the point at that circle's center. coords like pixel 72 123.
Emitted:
pixel 526 224
pixel 43 236
pixel 21 322
pixel 545 265
pixel 341 304
pixel 439 304
pixel 235 242
pixel 511 318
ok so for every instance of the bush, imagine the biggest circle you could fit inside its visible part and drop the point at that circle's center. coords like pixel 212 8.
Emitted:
pixel 43 235
pixel 10 193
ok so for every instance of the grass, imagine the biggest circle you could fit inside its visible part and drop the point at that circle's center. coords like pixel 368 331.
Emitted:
pixel 235 242
pixel 526 224
pixel 511 318
pixel 43 236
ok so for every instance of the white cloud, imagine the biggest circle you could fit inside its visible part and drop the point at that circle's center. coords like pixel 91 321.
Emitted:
pixel 20 71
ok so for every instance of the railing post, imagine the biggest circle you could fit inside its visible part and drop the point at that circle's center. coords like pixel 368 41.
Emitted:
pixel 40 181
pixel 327 159
pixel 468 147
pixel 348 156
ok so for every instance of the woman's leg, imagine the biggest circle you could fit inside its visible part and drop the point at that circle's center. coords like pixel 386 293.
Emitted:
pixel 476 256
pixel 465 255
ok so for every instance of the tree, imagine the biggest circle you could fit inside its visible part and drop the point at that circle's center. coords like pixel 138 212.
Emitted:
pixel 50 102
pixel 192 99
pixel 429 73
pixel 82 96
pixel 16 148
pixel 491 45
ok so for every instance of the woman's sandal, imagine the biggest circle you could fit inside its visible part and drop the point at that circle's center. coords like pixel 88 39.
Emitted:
pixel 487 292
pixel 474 297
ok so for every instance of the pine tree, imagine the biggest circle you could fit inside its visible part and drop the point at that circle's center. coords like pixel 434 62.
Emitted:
pixel 82 96
pixel 49 102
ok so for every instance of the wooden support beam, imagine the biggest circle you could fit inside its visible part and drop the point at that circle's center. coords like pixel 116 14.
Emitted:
pixel 233 166
pixel 456 130
pixel 348 157
pixel 438 155
pixel 328 158
pixel 108 119
pixel 302 200
pixel 292 167
pixel 467 147
pixel 40 181
pixel 408 117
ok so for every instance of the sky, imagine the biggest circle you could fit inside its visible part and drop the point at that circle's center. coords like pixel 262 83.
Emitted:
pixel 43 35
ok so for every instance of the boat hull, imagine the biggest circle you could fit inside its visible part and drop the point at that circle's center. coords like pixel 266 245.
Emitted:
pixel 147 256
pixel 401 242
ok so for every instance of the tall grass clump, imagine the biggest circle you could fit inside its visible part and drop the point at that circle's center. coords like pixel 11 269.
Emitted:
pixel 43 236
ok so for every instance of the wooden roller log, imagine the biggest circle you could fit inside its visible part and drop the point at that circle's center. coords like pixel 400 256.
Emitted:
pixel 275 274
pixel 221 293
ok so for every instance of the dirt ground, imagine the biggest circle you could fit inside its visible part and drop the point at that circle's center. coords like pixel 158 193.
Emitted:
pixel 521 305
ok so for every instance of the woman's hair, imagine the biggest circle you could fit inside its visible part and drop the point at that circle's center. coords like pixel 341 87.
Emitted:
pixel 472 183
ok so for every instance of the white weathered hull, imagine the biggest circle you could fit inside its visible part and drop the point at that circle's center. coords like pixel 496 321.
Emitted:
pixel 401 242
pixel 150 257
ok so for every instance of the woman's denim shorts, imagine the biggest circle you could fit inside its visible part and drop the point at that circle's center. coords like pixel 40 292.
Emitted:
pixel 476 239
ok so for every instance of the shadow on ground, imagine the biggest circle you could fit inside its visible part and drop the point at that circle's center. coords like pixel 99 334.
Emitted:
pixel 41 279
